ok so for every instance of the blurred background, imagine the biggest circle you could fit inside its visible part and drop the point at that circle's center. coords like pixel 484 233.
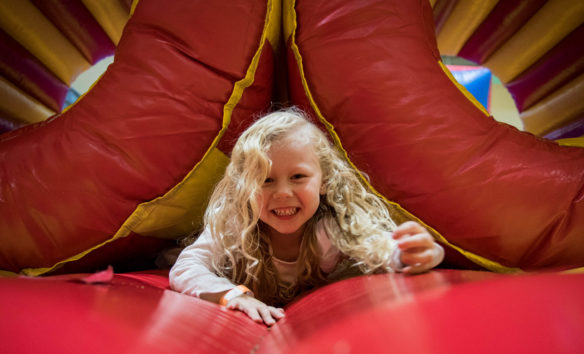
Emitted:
pixel 522 59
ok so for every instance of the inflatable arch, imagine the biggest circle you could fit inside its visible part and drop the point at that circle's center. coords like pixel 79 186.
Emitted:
pixel 137 156
pixel 138 149
pixel 129 167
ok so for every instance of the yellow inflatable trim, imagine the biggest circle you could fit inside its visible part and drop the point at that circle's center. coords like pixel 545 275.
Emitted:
pixel 133 6
pixel 577 142
pixel 7 274
pixel 290 25
pixel 574 271
pixel 171 200
pixel 180 211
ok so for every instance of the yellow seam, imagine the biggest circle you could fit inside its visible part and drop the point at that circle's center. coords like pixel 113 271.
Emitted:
pixel 579 270
pixel 575 142
pixel 39 271
pixel 484 262
pixel 133 7
pixel 228 108
pixel 7 274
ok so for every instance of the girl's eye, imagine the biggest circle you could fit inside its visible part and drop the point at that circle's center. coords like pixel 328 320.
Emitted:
pixel 298 176
pixel 268 180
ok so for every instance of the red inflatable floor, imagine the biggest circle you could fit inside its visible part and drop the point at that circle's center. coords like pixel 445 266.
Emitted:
pixel 444 311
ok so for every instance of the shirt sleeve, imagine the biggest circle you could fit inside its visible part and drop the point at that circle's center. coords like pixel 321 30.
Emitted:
pixel 193 274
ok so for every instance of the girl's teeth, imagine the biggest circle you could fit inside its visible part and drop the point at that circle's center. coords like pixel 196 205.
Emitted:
pixel 285 212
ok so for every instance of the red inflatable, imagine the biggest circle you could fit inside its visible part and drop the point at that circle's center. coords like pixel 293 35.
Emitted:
pixel 136 158
pixel 138 155
pixel 371 72
pixel 82 179
pixel 442 311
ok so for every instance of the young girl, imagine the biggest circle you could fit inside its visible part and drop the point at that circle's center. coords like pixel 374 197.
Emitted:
pixel 287 213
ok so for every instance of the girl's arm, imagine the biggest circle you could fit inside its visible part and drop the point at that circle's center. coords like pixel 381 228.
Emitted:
pixel 192 274
pixel 417 250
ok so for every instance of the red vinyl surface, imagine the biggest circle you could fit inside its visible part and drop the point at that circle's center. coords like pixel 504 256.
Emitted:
pixel 444 311
pixel 71 182
pixel 439 312
pixel 127 315
pixel 486 187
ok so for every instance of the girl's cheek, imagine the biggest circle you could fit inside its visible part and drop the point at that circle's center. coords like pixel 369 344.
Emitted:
pixel 261 197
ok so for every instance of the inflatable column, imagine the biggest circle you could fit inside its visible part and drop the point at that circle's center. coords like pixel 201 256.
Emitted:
pixel 370 71
pixel 138 155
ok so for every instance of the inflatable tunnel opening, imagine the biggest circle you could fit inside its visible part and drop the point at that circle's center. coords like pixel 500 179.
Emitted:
pixel 486 88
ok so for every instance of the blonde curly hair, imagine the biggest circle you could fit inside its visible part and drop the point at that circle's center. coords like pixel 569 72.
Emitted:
pixel 354 218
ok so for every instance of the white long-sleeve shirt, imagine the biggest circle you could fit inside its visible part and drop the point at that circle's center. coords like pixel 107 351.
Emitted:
pixel 193 273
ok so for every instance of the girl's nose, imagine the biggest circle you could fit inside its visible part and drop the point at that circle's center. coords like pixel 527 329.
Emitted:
pixel 283 190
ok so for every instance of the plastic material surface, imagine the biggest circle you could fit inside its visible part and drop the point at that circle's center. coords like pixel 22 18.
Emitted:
pixel 76 182
pixel 183 85
pixel 509 198
pixel 443 311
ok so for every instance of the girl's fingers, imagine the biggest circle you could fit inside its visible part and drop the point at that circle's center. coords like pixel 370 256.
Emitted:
pixel 407 270
pixel 421 240
pixel 270 314
pixel 266 315
pixel 252 313
pixel 256 310
pixel 414 269
pixel 276 312
pixel 418 262
pixel 407 228
pixel 418 251
pixel 246 307
pixel 417 267
pixel 417 258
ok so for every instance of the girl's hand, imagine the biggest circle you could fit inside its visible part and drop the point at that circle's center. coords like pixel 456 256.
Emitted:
pixel 255 309
pixel 417 249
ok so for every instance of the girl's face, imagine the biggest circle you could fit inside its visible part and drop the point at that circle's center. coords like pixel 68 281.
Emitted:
pixel 291 194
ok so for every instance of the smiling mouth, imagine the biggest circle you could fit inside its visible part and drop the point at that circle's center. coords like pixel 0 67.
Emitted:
pixel 285 211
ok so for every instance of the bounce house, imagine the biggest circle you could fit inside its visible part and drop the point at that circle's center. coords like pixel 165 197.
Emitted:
pixel 92 194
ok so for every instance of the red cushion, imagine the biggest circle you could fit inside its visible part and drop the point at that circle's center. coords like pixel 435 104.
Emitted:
pixel 371 69
pixel 71 184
